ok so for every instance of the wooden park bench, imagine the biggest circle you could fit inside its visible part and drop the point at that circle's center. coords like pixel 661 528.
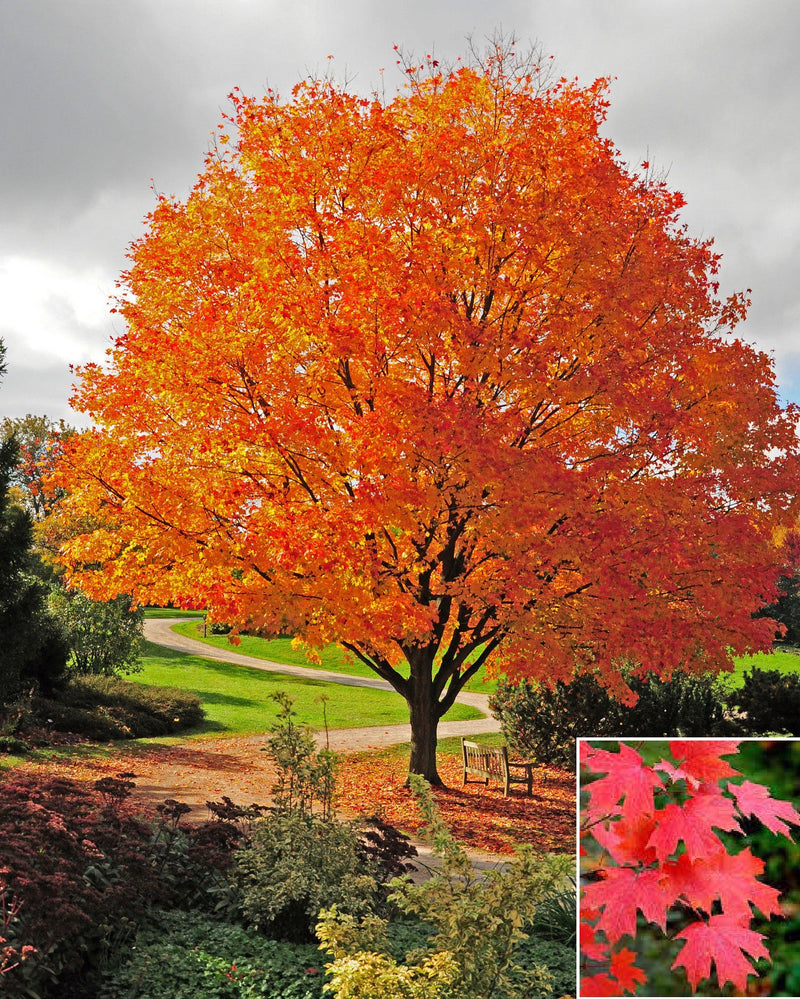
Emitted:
pixel 492 763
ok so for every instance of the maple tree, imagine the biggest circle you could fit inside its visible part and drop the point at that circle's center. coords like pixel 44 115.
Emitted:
pixel 656 827
pixel 440 378
pixel 39 439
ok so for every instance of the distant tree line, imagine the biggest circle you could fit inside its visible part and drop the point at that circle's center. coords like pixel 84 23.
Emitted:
pixel 47 631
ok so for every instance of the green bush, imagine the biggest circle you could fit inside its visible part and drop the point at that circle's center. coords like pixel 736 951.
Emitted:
pixel 770 702
pixel 543 722
pixel 104 636
pixel 11 744
pixel 184 955
pixel 294 866
pixel 106 708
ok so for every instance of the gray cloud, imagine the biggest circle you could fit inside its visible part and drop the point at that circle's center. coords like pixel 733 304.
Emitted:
pixel 43 389
pixel 99 96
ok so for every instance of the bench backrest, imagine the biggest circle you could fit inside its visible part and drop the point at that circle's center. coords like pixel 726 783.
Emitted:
pixel 486 759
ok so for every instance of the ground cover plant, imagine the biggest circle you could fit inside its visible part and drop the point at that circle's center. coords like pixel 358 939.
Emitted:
pixel 664 833
pixel 185 955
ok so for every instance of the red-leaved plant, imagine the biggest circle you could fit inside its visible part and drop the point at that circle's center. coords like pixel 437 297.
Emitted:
pixel 657 829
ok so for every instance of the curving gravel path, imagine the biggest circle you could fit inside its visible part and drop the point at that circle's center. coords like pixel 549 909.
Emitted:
pixel 158 630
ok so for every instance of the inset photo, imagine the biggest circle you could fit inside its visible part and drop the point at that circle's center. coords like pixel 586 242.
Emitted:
pixel 689 867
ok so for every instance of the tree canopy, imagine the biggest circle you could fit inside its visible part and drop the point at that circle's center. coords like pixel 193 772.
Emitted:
pixel 441 378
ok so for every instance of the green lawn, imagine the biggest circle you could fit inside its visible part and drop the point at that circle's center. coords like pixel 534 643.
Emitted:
pixel 164 612
pixel 280 650
pixel 237 700
pixel 781 660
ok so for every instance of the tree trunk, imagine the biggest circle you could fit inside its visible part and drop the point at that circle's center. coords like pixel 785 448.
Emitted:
pixel 424 714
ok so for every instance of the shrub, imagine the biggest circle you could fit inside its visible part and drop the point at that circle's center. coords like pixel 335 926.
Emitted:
pixel 58 839
pixel 296 862
pixel 104 636
pixel 186 955
pixel 306 777
pixel 13 951
pixel 770 701
pixel 11 744
pixel 385 848
pixel 82 870
pixel 477 925
pixel 104 708
pixel 294 866
pixel 688 705
pixel 543 722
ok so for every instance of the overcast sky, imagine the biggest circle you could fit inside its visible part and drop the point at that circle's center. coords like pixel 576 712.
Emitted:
pixel 100 96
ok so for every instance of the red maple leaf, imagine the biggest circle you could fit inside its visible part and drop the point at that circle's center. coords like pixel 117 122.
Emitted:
pixel 625 971
pixel 754 799
pixel 620 893
pixel 691 823
pixel 731 879
pixel 599 985
pixel 725 939
pixel 627 779
pixel 699 759
pixel 591 947
pixel 626 842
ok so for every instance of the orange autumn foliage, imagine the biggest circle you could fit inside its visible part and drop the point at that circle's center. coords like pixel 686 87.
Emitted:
pixel 442 379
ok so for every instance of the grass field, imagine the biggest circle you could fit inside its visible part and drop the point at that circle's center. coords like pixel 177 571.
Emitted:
pixel 238 700
pixel 166 612
pixel 782 660
pixel 280 650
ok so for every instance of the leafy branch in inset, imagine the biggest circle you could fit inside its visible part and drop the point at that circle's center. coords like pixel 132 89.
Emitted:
pixel 657 825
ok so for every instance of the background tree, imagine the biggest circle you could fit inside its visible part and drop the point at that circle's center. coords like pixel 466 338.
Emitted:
pixel 103 636
pixel 786 609
pixel 39 439
pixel 33 650
pixel 442 379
